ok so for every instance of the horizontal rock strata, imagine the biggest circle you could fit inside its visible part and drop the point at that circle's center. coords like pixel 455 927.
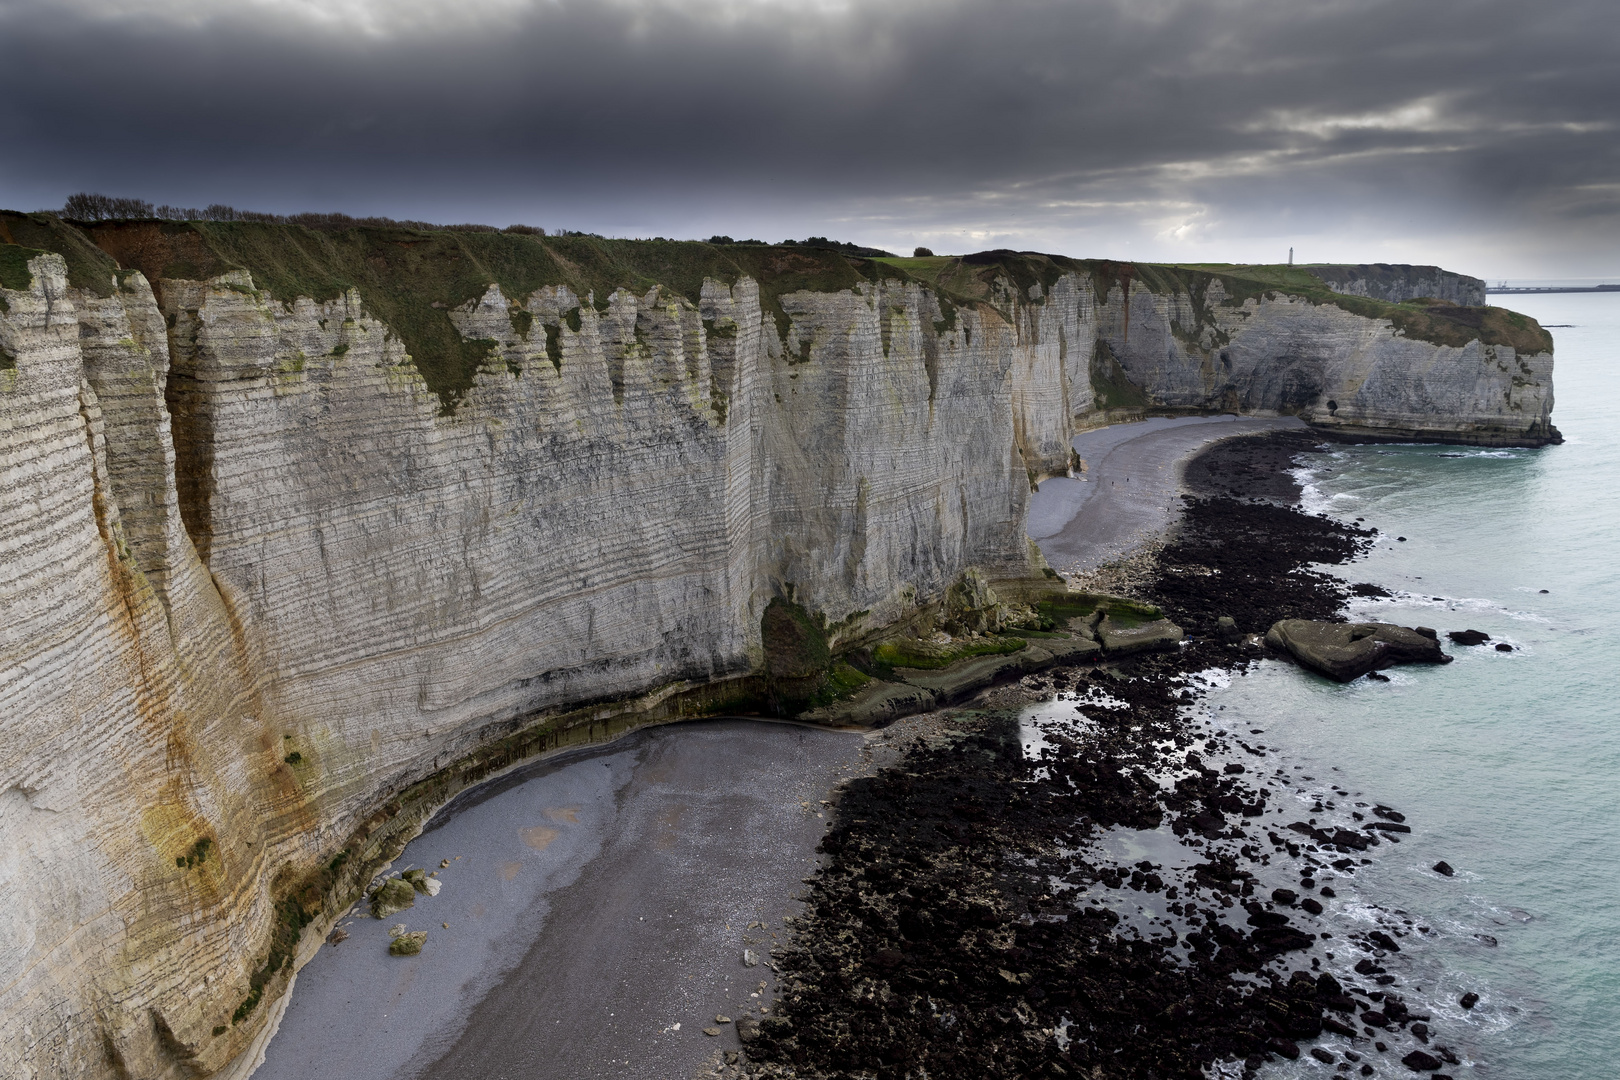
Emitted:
pixel 274 586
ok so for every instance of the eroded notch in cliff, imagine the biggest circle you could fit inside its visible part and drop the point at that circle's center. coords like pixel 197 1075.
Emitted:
pixel 193 433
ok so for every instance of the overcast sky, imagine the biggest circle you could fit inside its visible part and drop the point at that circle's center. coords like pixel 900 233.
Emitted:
pixel 1481 135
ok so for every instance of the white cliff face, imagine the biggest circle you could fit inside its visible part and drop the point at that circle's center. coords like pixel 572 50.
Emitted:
pixel 256 583
pixel 123 697
pixel 1399 283
pixel 385 584
pixel 1279 354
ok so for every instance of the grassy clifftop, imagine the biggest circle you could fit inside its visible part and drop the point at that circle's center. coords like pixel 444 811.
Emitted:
pixel 1425 319
pixel 410 278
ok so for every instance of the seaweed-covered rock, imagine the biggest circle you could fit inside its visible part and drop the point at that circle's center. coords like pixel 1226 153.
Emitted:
pixel 408 944
pixel 877 704
pixel 964 677
pixel 393 895
pixel 1062 651
pixel 1346 651
pixel 1119 637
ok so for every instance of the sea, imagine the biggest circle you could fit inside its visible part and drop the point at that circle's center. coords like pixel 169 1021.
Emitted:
pixel 1506 764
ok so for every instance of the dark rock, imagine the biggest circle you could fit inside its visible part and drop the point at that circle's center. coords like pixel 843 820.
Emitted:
pixel 1226 629
pixel 1502 646
pixel 1383 941
pixel 1428 631
pixel 1388 826
pixel 1443 868
pixel 1419 1061
pixel 1346 651
pixel 1311 905
pixel 1468 1000
pixel 1285 897
pixel 1374 1019
pixel 1469 637
pixel 1279 939
pixel 1327 891
pixel 1367 966
pixel 1377 676
pixel 1388 814
pixel 1288 1048
pixel 1401 539
pixel 1120 638
pixel 1322 1055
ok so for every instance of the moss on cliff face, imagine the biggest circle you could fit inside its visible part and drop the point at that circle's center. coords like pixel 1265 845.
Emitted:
pixel 795 644
pixel 1111 387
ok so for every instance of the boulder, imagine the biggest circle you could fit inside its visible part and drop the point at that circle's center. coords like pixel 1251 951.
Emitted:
pixel 1469 637
pixel 1119 637
pixel 1226 629
pixel 1346 651
pixel 408 944
pixel 1418 1061
pixel 393 895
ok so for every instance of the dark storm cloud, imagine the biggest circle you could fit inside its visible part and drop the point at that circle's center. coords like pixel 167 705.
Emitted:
pixel 1158 129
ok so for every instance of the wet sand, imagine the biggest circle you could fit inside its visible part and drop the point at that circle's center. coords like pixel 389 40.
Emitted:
pixel 599 900
pixel 1129 492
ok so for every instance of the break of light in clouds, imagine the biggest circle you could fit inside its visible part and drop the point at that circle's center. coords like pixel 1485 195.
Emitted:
pixel 1475 133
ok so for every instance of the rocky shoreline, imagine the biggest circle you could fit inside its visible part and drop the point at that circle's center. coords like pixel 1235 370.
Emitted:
pixel 984 909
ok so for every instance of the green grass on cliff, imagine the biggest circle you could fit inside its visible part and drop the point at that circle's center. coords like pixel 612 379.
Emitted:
pixel 411 279
pixel 14 272
pixel 1421 319
pixel 88 266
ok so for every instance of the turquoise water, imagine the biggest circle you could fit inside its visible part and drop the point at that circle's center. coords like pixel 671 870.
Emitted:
pixel 1507 765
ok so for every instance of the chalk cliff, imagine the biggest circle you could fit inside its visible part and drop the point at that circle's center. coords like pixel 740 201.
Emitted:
pixel 302 533
pixel 1397 283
